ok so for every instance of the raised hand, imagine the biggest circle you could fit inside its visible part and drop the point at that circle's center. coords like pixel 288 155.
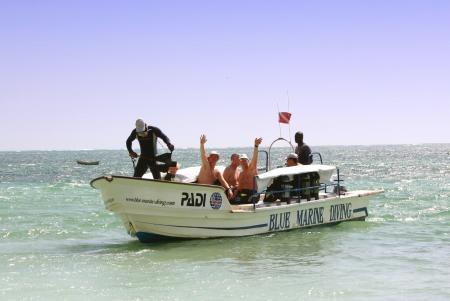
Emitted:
pixel 258 141
pixel 203 139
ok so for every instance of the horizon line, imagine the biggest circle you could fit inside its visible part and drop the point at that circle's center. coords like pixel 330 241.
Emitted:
pixel 228 147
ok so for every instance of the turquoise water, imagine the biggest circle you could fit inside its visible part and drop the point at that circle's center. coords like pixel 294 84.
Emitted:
pixel 57 242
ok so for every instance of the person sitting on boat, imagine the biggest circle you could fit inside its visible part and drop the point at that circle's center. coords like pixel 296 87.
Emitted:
pixel 231 172
pixel 172 171
pixel 147 136
pixel 246 185
pixel 302 150
pixel 275 190
pixel 292 160
pixel 209 174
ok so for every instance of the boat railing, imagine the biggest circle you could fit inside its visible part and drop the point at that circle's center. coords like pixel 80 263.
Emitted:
pixel 316 154
pixel 288 194
pixel 266 154
pixel 269 159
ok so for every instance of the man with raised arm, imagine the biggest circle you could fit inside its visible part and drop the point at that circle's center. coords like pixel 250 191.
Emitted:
pixel 246 183
pixel 209 174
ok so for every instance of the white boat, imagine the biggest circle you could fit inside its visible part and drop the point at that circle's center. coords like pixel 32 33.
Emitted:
pixel 155 209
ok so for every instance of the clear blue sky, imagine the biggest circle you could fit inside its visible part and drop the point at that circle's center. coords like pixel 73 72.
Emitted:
pixel 76 74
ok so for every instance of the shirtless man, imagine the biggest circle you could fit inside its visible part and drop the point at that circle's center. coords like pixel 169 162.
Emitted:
pixel 231 172
pixel 249 170
pixel 208 172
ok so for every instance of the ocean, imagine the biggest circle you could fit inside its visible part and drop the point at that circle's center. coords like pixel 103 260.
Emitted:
pixel 57 241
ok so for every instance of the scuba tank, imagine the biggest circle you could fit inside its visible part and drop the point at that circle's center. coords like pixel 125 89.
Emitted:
pixel 286 186
pixel 305 183
pixel 315 182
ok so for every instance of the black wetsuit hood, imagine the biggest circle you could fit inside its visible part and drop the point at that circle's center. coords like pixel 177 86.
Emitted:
pixel 299 138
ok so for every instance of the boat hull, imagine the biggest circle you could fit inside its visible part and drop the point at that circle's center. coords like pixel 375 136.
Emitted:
pixel 88 162
pixel 235 224
pixel 153 210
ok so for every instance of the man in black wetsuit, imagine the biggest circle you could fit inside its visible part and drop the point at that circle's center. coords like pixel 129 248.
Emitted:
pixel 302 150
pixel 147 136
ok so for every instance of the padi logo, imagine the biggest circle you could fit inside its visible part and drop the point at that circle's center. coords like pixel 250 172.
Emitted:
pixel 193 199
pixel 215 200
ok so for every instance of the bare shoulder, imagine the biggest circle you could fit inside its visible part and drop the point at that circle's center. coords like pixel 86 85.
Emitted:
pixel 205 167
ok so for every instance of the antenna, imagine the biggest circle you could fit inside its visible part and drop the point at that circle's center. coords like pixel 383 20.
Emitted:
pixel 279 124
pixel 287 92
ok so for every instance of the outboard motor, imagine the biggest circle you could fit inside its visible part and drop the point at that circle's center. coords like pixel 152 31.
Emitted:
pixel 340 190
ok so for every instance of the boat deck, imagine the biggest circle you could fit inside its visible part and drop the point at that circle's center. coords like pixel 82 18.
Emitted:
pixel 322 196
pixel 261 204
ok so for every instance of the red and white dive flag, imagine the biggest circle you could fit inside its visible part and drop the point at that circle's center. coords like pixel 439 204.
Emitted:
pixel 284 117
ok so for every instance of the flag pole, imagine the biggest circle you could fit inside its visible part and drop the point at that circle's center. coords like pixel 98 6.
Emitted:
pixel 289 121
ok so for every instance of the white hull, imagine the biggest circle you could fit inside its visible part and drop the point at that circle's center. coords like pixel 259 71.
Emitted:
pixel 152 209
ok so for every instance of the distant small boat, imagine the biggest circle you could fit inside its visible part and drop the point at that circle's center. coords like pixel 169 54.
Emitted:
pixel 88 162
